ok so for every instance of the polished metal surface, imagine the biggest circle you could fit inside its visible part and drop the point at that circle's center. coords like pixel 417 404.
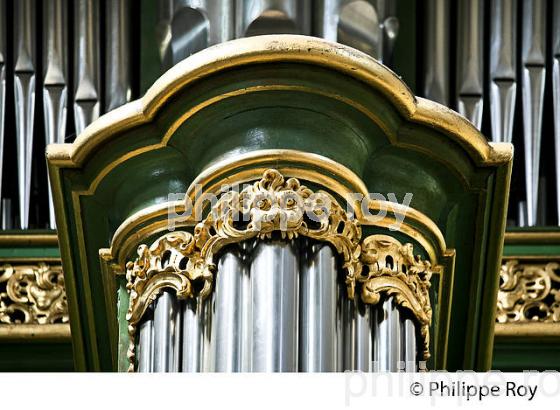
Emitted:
pixel 389 24
pixel 227 331
pixel 348 345
pixel 387 349
pixel 470 61
pixel 166 333
pixel 55 77
pixel 146 346
pixel 503 75
pixel 24 94
pixel 436 61
pixel 194 323
pixel 533 57
pixel 556 94
pixel 409 345
pixel 274 283
pixel 318 305
pixel 257 17
pixel 359 26
pixel 369 26
pixel 363 359
pixel 87 90
pixel 188 26
pixel 118 60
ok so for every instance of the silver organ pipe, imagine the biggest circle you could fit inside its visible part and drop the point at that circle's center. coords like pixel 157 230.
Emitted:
pixel 227 333
pixel 188 26
pixel 24 96
pixel 166 333
pixel 257 17
pixel 55 77
pixel 318 308
pixel 436 62
pixel 387 331
pixel 195 327
pixel 87 91
pixel 363 349
pixel 503 77
pixel 118 62
pixel 274 285
pixel 533 57
pixel 146 344
pixel 409 353
pixel 470 81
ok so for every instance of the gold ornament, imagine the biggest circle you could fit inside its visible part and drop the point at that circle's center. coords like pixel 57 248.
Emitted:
pixel 529 293
pixel 32 294
pixel 391 268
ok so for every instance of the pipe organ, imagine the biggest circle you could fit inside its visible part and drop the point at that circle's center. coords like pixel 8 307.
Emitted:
pixel 145 107
pixel 280 302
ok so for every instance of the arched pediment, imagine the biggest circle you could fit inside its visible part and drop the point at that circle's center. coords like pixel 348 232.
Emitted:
pixel 284 93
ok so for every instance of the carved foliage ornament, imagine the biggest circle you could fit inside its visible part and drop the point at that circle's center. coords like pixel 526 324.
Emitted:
pixel 391 268
pixel 32 294
pixel 529 293
pixel 185 262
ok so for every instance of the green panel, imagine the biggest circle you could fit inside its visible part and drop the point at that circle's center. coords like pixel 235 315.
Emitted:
pixel 517 356
pixel 36 357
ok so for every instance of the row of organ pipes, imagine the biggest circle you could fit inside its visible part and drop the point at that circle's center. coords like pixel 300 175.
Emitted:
pixel 72 60
pixel 277 306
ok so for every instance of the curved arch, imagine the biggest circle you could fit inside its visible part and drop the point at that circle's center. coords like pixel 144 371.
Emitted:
pixel 271 49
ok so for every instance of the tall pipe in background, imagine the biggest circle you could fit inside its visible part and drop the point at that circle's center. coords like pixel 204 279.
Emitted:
pixel 24 95
pixel 533 59
pixel 55 77
pixel 87 89
pixel 503 76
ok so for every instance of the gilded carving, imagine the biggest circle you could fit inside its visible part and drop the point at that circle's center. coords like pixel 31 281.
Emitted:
pixel 529 292
pixel 391 268
pixel 275 205
pixel 32 294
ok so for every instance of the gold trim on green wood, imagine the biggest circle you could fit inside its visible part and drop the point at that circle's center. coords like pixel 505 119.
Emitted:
pixel 29 333
pixel 257 50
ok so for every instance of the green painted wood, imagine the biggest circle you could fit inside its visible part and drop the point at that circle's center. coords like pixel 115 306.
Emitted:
pixel 529 353
pixel 465 201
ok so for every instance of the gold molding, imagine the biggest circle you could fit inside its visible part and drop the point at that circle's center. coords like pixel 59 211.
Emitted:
pixel 29 333
pixel 531 237
pixel 272 49
pixel 537 330
pixel 28 239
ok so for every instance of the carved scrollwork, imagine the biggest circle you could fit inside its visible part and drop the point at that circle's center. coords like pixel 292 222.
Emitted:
pixel 32 294
pixel 275 205
pixel 391 268
pixel 171 262
pixel 529 293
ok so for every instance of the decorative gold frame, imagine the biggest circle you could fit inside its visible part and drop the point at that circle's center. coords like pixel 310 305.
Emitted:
pixel 276 204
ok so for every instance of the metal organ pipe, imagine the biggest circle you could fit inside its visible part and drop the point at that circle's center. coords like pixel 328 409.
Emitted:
pixel 227 333
pixel 166 333
pixel 319 299
pixel 274 285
